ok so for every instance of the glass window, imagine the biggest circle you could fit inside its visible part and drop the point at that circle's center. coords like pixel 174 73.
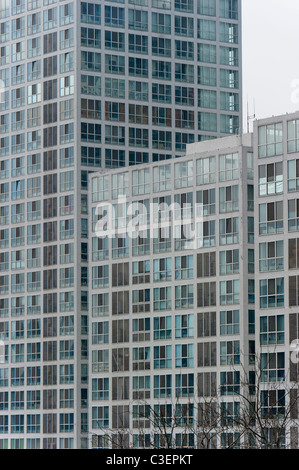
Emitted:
pixel 229 322
pixel 229 261
pixel 272 293
pixel 270 140
pixel 162 298
pixel 228 167
pixel 272 329
pixel 229 353
pixel 271 217
pixel 162 178
pixel 161 23
pixel 273 367
pixel 271 256
pixel 138 20
pixel 229 230
pixel 229 9
pixel 90 13
pixel 206 7
pixel 206 29
pixel 271 178
pixel 229 199
pixel 229 292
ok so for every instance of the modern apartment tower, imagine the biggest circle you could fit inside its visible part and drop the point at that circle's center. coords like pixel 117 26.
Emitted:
pixel 194 324
pixel 88 86
pixel 171 294
pixel 276 228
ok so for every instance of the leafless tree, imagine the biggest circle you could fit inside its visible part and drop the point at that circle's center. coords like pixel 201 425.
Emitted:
pixel 259 413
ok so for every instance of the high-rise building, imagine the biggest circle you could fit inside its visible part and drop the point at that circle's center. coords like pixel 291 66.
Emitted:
pixel 171 293
pixel 276 229
pixel 194 281
pixel 85 86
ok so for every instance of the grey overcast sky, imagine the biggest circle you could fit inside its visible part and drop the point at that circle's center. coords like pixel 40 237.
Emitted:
pixel 270 57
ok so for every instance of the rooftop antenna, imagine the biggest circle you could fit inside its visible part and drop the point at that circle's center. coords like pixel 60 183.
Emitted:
pixel 250 117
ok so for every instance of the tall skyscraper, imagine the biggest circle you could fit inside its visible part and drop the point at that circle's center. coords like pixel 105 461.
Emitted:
pixel 85 86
